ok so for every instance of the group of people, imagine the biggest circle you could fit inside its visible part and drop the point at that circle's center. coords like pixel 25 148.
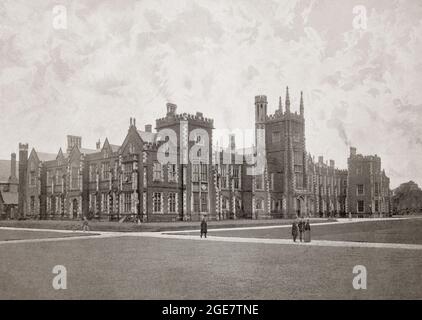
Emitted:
pixel 301 228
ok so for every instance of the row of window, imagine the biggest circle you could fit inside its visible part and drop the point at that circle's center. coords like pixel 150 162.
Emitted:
pixel 129 202
pixel 200 202
pixel 157 202
pixel 275 204
pixel 225 176
pixel 158 172
pixel 360 189
pixel 361 206
pixel 56 177
pixel 199 172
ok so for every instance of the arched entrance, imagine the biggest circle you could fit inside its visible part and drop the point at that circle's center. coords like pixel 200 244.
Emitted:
pixel 75 208
pixel 300 206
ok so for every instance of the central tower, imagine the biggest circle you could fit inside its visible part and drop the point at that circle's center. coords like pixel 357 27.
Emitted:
pixel 283 134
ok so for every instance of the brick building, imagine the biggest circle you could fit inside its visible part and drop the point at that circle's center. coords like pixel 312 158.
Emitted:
pixel 177 173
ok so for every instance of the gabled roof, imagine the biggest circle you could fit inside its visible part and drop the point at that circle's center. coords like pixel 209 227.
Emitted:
pixel 5 170
pixel 114 147
pixel 87 151
pixel 148 137
pixel 60 155
pixel 44 156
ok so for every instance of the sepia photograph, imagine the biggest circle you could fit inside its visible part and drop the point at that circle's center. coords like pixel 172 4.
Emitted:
pixel 210 150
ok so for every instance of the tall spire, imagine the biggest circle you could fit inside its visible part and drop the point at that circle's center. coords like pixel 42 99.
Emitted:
pixel 280 105
pixel 287 100
pixel 301 103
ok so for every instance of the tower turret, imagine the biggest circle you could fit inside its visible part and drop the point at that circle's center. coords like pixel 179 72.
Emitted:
pixel 23 178
pixel 260 120
pixel 13 178
pixel 260 109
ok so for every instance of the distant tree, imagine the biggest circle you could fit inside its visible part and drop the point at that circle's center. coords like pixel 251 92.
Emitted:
pixel 407 197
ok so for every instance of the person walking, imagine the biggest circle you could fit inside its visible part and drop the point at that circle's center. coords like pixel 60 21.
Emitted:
pixel 294 230
pixel 301 226
pixel 307 231
pixel 85 224
pixel 204 227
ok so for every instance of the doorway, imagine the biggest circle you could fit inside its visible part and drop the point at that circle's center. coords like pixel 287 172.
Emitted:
pixel 75 208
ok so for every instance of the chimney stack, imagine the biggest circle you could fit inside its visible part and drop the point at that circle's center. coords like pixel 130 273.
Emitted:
pixel 148 128
pixel 73 141
pixel 232 145
pixel 352 151
pixel 320 159
pixel 332 164
pixel 171 109
pixel 13 167
pixel 98 144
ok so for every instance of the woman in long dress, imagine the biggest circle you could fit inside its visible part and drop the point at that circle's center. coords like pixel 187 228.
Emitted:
pixel 294 230
pixel 307 231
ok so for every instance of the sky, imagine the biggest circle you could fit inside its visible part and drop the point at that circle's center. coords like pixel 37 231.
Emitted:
pixel 361 75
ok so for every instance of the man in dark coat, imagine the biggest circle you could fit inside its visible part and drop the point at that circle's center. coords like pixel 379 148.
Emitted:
pixel 294 230
pixel 301 227
pixel 204 227
pixel 85 224
pixel 307 231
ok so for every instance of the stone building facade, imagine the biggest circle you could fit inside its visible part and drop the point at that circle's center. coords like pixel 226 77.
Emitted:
pixel 177 173
pixel 293 184
pixel 368 186
pixel 8 188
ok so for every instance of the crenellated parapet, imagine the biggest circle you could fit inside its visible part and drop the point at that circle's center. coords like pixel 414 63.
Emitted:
pixel 197 119
pixel 279 116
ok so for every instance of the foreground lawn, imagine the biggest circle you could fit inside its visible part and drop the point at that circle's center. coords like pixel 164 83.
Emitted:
pixel 151 268
pixel 407 231
pixel 7 235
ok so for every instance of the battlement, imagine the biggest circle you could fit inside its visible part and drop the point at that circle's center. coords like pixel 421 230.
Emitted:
pixel 151 145
pixel 23 147
pixel 361 157
pixel 261 99
pixel 342 171
pixel 198 119
pixel 277 116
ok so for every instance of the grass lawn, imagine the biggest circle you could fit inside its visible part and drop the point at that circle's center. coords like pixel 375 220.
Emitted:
pixel 407 231
pixel 152 268
pixel 156 268
pixel 7 235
